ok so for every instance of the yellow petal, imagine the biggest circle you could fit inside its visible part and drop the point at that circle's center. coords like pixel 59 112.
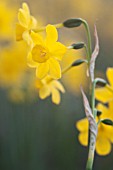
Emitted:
pixel 55 70
pixel 19 32
pixel 55 96
pixel 30 61
pixel 103 94
pixel 27 38
pixel 82 125
pixel 42 70
pixel 104 110
pixel 44 92
pixel 52 35
pixel 38 84
pixel 26 9
pixel 33 23
pixel 37 39
pixel 22 18
pixel 83 138
pixel 110 75
pixel 103 146
pixel 58 85
pixel 58 50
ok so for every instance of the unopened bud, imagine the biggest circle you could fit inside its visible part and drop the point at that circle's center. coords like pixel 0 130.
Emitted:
pixel 78 62
pixel 77 46
pixel 99 112
pixel 107 122
pixel 71 23
pixel 101 82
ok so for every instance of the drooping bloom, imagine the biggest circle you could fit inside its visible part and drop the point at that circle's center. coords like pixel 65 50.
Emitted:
pixel 105 132
pixel 26 23
pixel 45 54
pixel 48 87
pixel 105 94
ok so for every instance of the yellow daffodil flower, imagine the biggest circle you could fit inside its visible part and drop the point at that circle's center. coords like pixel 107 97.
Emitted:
pixel 48 87
pixel 26 23
pixel 105 94
pixel 45 54
pixel 105 132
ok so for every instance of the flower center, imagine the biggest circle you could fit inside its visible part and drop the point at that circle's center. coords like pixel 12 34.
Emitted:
pixel 40 54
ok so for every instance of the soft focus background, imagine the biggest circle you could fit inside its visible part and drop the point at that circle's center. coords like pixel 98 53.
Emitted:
pixel 35 134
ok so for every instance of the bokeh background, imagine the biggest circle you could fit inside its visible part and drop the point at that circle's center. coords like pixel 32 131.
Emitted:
pixel 36 134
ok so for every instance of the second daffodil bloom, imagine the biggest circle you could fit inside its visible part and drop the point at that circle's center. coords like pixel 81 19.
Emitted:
pixel 26 23
pixel 45 54
pixel 105 94
pixel 48 87
pixel 105 132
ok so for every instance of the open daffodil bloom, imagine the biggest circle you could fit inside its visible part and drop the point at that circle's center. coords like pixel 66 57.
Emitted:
pixel 48 87
pixel 45 54
pixel 105 132
pixel 105 94
pixel 26 23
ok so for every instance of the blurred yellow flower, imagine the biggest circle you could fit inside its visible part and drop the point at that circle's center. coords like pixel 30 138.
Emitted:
pixel 7 16
pixel 25 90
pixel 105 94
pixel 26 23
pixel 45 53
pixel 12 64
pixel 105 132
pixel 75 76
pixel 48 87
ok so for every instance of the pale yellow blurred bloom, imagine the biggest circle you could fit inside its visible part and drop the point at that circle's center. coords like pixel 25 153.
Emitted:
pixel 105 132
pixel 7 17
pixel 13 64
pixel 75 76
pixel 26 23
pixel 48 87
pixel 105 94
pixel 24 91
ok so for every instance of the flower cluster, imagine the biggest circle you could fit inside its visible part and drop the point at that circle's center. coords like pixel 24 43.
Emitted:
pixel 44 53
pixel 105 131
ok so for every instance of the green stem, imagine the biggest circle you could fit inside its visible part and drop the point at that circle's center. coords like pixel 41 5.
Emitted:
pixel 92 137
pixel 90 160
pixel 60 25
pixel 87 52
pixel 89 38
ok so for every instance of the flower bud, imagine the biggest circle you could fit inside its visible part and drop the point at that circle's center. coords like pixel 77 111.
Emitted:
pixel 77 45
pixel 107 122
pixel 78 62
pixel 101 82
pixel 71 23
pixel 99 112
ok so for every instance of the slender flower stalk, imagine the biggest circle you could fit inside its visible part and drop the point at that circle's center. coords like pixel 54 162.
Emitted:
pixel 60 25
pixel 92 137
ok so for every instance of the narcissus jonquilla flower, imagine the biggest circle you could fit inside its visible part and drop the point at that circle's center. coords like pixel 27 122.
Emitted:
pixel 105 132
pixel 26 23
pixel 48 87
pixel 45 54
pixel 105 94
